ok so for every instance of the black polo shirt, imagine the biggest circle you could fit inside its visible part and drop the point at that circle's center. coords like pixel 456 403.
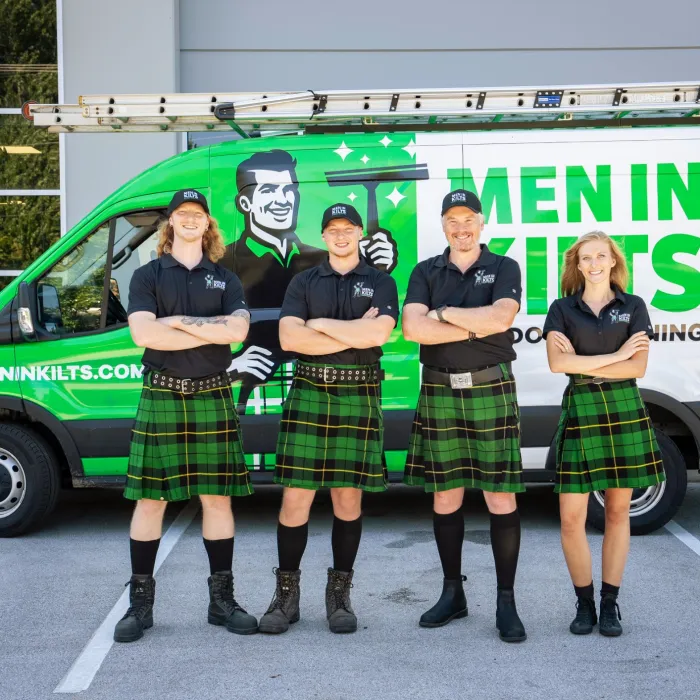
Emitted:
pixel 604 334
pixel 437 281
pixel 321 292
pixel 165 287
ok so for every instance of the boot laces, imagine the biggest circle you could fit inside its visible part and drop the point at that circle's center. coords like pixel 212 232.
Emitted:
pixel 283 591
pixel 584 609
pixel 224 594
pixel 609 608
pixel 138 605
pixel 340 592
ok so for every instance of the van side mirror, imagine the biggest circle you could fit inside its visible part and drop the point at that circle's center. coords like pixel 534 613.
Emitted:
pixel 25 315
pixel 49 307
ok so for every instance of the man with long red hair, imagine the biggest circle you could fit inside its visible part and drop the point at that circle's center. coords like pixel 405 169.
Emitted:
pixel 186 310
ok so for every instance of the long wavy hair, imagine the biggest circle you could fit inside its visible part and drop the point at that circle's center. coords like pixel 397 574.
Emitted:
pixel 212 241
pixel 572 279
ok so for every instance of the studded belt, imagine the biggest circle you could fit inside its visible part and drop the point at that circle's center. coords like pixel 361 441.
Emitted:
pixel 462 380
pixel 186 386
pixel 329 374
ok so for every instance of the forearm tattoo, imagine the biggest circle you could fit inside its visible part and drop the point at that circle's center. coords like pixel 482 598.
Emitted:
pixel 202 320
pixel 242 313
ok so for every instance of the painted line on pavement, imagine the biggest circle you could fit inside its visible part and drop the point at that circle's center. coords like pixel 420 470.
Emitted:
pixel 684 536
pixel 83 670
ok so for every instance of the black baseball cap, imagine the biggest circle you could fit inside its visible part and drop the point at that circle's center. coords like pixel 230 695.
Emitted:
pixel 461 198
pixel 184 196
pixel 341 211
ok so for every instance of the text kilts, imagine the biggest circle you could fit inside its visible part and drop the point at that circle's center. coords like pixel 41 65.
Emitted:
pixel 605 439
pixel 331 435
pixel 184 445
pixel 466 437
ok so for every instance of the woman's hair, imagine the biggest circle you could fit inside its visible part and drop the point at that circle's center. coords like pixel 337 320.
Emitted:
pixel 572 278
pixel 212 241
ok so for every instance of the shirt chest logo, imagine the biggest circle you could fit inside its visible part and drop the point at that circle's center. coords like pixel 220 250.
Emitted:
pixel 360 291
pixel 214 284
pixel 617 317
pixel 482 278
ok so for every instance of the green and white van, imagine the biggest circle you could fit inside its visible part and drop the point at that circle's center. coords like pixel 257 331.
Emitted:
pixel 70 376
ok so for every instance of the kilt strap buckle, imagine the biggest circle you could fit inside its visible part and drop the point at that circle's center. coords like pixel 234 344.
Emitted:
pixel 461 381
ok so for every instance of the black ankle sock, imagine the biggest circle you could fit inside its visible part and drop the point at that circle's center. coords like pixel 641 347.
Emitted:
pixel 609 588
pixel 143 556
pixel 585 591
pixel 449 537
pixel 505 543
pixel 220 553
pixel 345 541
pixel 291 543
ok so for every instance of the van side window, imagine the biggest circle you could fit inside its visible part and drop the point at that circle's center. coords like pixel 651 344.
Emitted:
pixel 87 289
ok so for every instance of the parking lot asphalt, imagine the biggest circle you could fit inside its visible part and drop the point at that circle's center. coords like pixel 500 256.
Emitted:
pixel 58 585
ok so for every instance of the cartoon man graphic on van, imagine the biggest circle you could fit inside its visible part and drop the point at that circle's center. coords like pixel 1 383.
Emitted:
pixel 269 253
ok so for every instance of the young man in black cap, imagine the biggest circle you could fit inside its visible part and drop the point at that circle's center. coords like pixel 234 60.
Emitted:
pixel 460 307
pixel 186 311
pixel 336 316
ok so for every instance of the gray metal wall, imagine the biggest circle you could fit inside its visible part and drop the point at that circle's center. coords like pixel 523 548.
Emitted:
pixel 213 45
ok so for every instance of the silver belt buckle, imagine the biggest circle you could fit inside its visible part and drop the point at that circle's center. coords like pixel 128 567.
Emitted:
pixel 183 387
pixel 598 380
pixel 325 375
pixel 461 381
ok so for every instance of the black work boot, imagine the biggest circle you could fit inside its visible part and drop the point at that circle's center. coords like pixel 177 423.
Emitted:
pixel 610 616
pixel 223 608
pixel 284 608
pixel 586 617
pixel 510 628
pixel 341 617
pixel 451 605
pixel 139 616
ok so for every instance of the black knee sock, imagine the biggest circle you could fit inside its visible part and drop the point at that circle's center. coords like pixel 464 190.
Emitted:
pixel 345 540
pixel 291 543
pixel 609 588
pixel 143 556
pixel 449 536
pixel 220 553
pixel 585 591
pixel 505 542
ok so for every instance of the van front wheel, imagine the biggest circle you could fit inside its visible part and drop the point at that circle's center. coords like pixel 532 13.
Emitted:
pixel 651 507
pixel 29 479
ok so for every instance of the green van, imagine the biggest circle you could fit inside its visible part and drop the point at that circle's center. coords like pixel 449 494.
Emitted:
pixel 70 376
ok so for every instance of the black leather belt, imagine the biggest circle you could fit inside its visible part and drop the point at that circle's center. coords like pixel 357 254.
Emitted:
pixel 596 380
pixel 328 374
pixel 186 386
pixel 462 380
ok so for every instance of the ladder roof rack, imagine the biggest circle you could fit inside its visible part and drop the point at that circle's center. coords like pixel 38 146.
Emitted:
pixel 377 110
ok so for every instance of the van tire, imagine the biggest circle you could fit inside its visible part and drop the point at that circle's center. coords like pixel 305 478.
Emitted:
pixel 29 473
pixel 657 505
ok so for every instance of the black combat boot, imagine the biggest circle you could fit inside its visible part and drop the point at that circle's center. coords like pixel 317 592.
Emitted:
pixel 586 617
pixel 341 617
pixel 510 628
pixel 223 608
pixel 284 608
pixel 139 616
pixel 451 605
pixel 610 616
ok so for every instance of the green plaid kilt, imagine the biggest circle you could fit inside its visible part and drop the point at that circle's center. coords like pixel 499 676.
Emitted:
pixel 466 437
pixel 184 445
pixel 331 435
pixel 605 439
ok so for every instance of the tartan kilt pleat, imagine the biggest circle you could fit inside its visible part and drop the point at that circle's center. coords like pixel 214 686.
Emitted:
pixel 605 439
pixel 331 435
pixel 184 445
pixel 466 438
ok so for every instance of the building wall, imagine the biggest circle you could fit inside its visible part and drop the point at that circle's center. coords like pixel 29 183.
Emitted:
pixel 213 45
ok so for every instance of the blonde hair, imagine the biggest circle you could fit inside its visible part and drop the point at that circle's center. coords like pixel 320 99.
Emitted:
pixel 212 241
pixel 572 278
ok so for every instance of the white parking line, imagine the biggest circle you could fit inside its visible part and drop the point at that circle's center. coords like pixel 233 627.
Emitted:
pixel 684 536
pixel 83 670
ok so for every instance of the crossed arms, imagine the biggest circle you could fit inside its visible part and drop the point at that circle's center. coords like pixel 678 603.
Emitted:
pixel 324 336
pixel 185 332
pixel 421 324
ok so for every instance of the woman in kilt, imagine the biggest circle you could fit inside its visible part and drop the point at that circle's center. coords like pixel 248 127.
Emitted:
pixel 598 335
pixel 335 316
pixel 186 310
pixel 460 307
